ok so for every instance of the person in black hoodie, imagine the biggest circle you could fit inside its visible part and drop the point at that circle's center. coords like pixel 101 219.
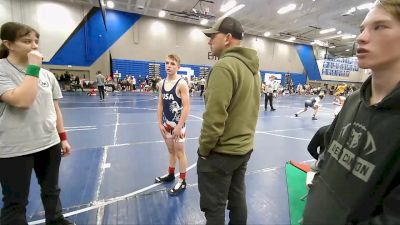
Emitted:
pixel 359 180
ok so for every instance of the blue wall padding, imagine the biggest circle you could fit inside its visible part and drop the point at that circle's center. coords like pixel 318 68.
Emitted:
pixel 307 57
pixel 91 40
pixel 138 67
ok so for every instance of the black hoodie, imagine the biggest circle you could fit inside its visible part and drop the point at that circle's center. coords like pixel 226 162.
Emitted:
pixel 359 180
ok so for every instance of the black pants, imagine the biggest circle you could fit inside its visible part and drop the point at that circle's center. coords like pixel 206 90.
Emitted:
pixel 221 179
pixel 268 97
pixel 15 177
pixel 201 90
pixel 101 91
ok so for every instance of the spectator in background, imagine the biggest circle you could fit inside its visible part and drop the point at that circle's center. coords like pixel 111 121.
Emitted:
pixel 202 85
pixel 62 81
pixel 67 77
pixel 133 83
pixel 100 84
pixel 77 83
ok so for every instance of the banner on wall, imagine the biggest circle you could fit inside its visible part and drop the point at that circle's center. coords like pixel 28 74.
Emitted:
pixel 186 72
pixel 341 67
pixel 278 77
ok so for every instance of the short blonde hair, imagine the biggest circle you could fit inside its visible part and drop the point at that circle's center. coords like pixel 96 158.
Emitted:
pixel 175 58
pixel 390 6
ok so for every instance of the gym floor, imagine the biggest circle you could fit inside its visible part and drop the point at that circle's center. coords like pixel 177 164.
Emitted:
pixel 118 151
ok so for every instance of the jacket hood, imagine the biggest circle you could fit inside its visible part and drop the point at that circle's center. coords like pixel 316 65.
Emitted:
pixel 248 56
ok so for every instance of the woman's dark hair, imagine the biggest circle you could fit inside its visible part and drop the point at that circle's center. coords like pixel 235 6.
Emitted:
pixel 11 31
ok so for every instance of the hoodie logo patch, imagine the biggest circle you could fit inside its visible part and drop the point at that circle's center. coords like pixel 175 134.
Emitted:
pixel 360 141
pixel 354 139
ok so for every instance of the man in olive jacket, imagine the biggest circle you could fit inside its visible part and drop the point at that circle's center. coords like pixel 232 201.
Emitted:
pixel 232 103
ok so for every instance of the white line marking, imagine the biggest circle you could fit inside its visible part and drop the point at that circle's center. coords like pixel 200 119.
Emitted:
pixel 99 204
pixel 124 124
pixel 78 127
pixel 145 142
pixel 196 117
pixel 100 181
pixel 195 138
pixel 116 129
pixel 302 128
pixel 284 136
pixel 100 216
pixel 107 165
pixel 109 107
pixel 70 130
pixel 110 101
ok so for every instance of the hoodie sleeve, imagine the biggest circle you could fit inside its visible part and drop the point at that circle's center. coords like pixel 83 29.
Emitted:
pixel 218 95
pixel 317 141
pixel 329 131
pixel 390 214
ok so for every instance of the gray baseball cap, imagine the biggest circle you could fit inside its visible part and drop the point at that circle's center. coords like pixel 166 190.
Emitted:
pixel 226 25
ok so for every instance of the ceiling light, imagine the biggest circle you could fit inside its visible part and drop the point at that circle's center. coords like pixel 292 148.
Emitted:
pixel 349 37
pixel 110 4
pixel 365 6
pixel 162 13
pixel 327 31
pixel 267 34
pixel 351 11
pixel 233 10
pixel 347 50
pixel 194 10
pixel 291 39
pixel 321 43
pixel 227 6
pixel 339 32
pixel 332 46
pixel 287 9
pixel 204 22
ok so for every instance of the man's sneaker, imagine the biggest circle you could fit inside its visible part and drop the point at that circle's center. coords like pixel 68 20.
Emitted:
pixel 165 178
pixel 273 109
pixel 178 188
pixel 314 118
pixel 296 115
pixel 60 222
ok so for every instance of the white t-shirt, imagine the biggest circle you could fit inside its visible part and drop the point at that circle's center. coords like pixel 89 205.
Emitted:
pixel 268 87
pixel 26 131
pixel 100 80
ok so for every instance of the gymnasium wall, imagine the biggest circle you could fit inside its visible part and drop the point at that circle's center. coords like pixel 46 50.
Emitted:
pixel 152 39
pixel 148 39
pixel 55 21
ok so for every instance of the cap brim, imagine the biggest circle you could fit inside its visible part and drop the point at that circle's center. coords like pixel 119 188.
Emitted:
pixel 210 31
